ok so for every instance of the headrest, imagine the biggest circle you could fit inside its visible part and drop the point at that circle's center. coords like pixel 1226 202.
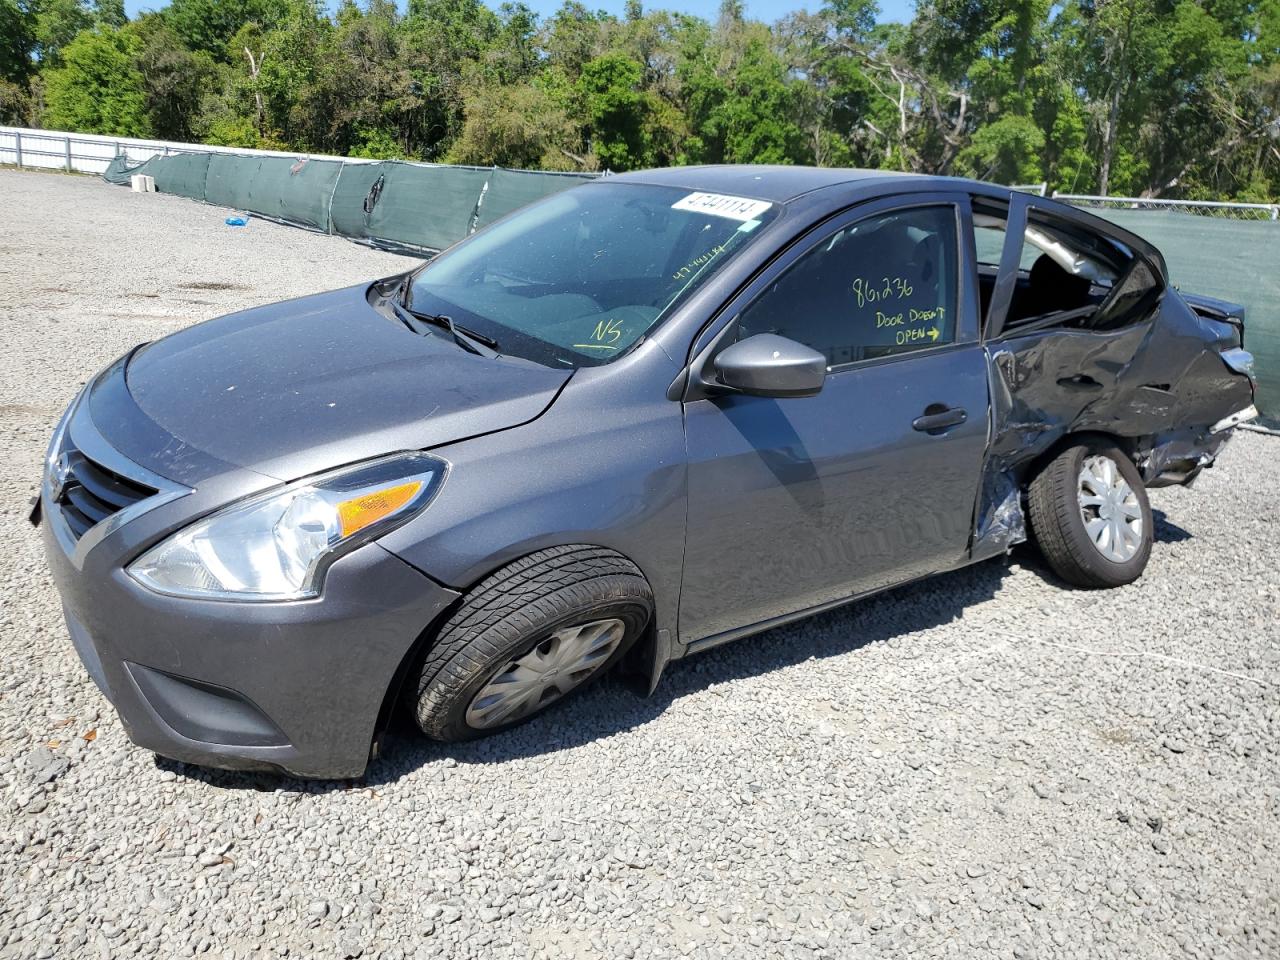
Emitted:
pixel 1047 274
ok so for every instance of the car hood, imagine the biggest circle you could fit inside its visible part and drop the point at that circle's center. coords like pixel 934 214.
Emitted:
pixel 301 386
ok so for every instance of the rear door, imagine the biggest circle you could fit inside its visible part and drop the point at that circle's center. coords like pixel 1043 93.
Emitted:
pixel 796 503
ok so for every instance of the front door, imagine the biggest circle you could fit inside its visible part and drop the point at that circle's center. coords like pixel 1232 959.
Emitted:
pixel 794 503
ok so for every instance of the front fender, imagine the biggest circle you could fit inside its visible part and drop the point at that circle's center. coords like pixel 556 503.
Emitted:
pixel 605 465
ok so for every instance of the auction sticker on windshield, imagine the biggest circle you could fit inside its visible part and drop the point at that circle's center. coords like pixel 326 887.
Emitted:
pixel 722 205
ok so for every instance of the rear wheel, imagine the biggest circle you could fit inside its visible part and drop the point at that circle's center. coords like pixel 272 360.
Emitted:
pixel 1090 516
pixel 528 636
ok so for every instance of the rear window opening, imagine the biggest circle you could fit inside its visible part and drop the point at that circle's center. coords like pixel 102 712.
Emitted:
pixel 1067 275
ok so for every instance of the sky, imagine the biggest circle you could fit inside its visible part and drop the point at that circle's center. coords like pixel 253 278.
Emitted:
pixel 766 10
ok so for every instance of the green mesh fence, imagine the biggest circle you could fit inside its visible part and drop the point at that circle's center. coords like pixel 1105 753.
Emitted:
pixel 294 191
pixel 183 174
pixel 409 206
pixel 1236 260
pixel 229 179
pixel 355 187
pixel 511 189
pixel 428 207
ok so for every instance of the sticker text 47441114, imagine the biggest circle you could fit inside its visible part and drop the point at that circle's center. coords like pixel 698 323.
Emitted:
pixel 722 205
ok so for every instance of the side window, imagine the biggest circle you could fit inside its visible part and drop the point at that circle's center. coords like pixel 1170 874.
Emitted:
pixel 988 240
pixel 881 286
pixel 989 246
pixel 1068 275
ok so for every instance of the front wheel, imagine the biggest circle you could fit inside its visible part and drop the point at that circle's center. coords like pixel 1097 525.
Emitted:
pixel 526 637
pixel 1091 517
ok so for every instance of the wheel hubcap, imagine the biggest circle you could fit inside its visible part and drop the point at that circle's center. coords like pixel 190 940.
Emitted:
pixel 531 681
pixel 1110 509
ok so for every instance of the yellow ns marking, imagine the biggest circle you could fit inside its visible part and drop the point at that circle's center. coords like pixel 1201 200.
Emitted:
pixel 609 331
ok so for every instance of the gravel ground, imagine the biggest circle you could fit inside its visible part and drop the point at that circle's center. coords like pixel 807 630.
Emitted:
pixel 986 764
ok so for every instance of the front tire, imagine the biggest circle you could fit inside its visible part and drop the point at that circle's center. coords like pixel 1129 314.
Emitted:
pixel 1091 517
pixel 526 637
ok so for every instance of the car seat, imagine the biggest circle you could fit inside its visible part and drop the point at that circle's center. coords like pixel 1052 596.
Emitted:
pixel 1052 288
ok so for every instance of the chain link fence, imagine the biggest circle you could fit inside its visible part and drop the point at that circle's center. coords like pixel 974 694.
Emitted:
pixel 1200 208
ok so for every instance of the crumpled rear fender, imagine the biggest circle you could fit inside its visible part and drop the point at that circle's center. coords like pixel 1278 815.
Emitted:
pixel 1159 387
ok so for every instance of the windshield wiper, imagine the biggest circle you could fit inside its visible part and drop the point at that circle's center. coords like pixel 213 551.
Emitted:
pixel 477 343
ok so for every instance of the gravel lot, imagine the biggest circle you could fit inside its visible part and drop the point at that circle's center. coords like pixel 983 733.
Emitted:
pixel 987 764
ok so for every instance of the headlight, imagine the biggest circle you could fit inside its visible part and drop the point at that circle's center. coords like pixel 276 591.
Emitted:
pixel 277 546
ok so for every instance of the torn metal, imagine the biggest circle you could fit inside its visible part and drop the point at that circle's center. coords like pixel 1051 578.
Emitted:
pixel 1167 388
pixel 1001 522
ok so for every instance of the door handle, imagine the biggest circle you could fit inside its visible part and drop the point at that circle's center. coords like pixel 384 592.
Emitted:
pixel 937 418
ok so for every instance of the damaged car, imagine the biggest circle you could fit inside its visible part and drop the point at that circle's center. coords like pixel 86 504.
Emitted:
pixel 630 422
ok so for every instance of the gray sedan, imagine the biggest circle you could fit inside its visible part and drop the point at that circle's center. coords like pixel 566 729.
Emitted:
pixel 632 421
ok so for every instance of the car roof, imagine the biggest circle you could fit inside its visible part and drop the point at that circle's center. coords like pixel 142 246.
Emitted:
pixel 782 184
pixel 777 184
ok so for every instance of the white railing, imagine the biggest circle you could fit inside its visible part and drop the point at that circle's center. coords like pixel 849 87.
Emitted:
pixel 1212 208
pixel 91 153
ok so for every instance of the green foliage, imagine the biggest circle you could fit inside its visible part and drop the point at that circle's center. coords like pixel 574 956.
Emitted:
pixel 231 131
pixel 175 79
pixel 1157 97
pixel 209 26
pixel 109 13
pixel 17 40
pixel 518 125
pixel 616 110
pixel 1008 150
pixel 1068 162
pixel 57 23
pixel 99 88
pixel 750 115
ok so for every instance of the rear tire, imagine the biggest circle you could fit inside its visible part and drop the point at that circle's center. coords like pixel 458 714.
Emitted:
pixel 1090 516
pixel 537 630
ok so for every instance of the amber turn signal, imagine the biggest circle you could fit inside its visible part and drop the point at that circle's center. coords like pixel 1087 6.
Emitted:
pixel 358 513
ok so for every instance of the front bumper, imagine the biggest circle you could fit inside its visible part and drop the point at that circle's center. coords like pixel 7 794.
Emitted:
pixel 295 686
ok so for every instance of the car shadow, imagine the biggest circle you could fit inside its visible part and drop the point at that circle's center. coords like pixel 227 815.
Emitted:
pixel 611 707
pixel 1028 555
pixel 1165 530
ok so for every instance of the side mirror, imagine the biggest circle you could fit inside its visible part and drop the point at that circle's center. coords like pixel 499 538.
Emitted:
pixel 767 365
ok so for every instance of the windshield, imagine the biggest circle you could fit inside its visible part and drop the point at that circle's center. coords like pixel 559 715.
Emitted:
pixel 577 278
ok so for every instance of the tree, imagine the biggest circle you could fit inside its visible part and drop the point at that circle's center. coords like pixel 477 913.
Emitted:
pixel 175 79
pixel 573 36
pixel 285 74
pixel 845 119
pixel 57 23
pixel 208 26
pixel 518 125
pixel 750 115
pixel 1120 53
pixel 616 110
pixel 98 89
pixel 17 42
pixel 1158 97
pixel 109 13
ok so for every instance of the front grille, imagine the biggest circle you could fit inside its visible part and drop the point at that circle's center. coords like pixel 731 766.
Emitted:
pixel 91 493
